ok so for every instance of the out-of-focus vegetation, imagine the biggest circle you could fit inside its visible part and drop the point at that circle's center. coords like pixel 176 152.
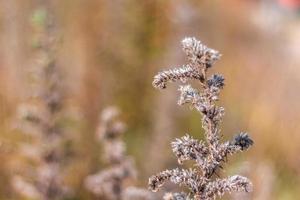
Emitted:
pixel 109 52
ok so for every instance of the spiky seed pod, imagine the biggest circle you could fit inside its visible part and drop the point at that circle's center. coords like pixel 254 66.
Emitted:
pixel 242 140
pixel 216 81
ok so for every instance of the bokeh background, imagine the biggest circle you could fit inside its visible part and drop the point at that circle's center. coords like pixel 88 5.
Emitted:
pixel 109 53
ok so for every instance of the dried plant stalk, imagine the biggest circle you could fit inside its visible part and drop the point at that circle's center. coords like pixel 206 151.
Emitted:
pixel 41 114
pixel 211 154
pixel 110 182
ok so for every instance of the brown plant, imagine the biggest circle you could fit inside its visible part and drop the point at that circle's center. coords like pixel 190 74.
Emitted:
pixel 110 182
pixel 40 116
pixel 210 155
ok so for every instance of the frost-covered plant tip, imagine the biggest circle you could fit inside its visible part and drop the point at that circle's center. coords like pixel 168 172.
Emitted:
pixel 209 155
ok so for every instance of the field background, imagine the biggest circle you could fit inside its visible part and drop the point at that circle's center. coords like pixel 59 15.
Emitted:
pixel 109 53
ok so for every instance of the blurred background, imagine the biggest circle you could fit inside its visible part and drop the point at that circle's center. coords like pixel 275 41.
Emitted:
pixel 109 52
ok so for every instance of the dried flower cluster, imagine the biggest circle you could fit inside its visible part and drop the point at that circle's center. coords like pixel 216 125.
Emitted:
pixel 211 154
pixel 41 114
pixel 110 183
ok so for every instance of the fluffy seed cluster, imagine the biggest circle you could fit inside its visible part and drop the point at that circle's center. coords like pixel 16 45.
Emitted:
pixel 187 148
pixel 198 54
pixel 110 182
pixel 210 155
pixel 182 74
